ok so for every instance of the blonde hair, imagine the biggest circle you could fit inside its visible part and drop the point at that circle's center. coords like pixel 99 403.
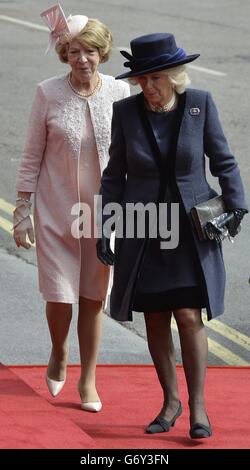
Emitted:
pixel 178 77
pixel 94 34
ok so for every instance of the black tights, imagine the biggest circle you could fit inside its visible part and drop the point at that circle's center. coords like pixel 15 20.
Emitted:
pixel 194 349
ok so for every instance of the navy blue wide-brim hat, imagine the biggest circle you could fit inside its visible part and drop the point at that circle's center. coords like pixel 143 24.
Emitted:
pixel 154 52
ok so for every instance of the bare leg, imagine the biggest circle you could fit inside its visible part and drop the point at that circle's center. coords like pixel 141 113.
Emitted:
pixel 59 317
pixel 161 347
pixel 194 348
pixel 89 334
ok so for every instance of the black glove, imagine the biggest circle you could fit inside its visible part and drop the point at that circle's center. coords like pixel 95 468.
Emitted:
pixel 234 224
pixel 104 252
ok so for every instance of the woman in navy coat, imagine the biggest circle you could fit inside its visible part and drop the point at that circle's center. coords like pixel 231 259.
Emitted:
pixel 160 139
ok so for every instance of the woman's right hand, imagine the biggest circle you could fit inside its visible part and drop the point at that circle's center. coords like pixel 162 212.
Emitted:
pixel 104 252
pixel 22 231
pixel 22 224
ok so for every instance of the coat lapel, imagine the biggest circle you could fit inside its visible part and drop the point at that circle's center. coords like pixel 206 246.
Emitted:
pixel 101 121
pixel 188 134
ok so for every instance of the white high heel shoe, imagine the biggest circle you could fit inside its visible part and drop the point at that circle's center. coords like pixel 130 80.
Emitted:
pixel 54 386
pixel 93 406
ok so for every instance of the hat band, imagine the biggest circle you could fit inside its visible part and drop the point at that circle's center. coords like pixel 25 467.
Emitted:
pixel 163 59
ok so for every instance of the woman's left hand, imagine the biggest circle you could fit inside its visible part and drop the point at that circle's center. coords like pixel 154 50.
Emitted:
pixel 234 224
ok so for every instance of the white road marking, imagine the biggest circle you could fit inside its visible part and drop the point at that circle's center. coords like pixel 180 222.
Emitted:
pixel 28 24
pixel 206 70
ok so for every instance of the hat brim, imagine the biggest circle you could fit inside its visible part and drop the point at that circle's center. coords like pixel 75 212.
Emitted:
pixel 132 73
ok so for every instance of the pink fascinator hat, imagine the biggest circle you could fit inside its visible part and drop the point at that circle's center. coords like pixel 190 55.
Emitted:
pixel 62 29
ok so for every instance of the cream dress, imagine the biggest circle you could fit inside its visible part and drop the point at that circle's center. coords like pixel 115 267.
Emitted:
pixel 94 275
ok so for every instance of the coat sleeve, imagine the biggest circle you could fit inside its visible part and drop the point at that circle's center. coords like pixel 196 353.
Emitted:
pixel 34 145
pixel 222 163
pixel 114 176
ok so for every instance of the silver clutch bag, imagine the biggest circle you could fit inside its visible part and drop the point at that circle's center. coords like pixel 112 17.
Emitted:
pixel 210 219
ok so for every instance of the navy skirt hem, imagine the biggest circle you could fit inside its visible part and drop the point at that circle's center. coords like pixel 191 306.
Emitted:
pixel 184 297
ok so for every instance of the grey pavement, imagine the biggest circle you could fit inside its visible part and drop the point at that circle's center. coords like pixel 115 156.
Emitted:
pixel 24 336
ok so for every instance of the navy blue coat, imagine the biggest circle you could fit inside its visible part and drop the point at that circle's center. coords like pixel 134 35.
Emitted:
pixel 132 175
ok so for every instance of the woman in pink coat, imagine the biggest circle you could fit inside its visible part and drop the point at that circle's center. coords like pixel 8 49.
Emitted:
pixel 65 153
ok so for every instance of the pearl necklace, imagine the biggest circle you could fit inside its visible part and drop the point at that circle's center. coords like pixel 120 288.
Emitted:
pixel 166 107
pixel 80 93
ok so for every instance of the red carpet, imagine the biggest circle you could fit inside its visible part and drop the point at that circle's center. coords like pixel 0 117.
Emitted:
pixel 29 421
pixel 131 398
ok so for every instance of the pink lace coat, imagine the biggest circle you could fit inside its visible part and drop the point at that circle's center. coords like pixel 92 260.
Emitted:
pixel 49 168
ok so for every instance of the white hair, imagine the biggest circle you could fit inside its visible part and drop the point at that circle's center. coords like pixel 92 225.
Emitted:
pixel 177 76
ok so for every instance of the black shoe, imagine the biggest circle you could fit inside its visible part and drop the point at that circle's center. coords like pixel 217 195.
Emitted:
pixel 161 424
pixel 200 431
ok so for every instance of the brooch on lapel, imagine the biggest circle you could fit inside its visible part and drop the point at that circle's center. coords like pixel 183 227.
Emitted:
pixel 194 111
